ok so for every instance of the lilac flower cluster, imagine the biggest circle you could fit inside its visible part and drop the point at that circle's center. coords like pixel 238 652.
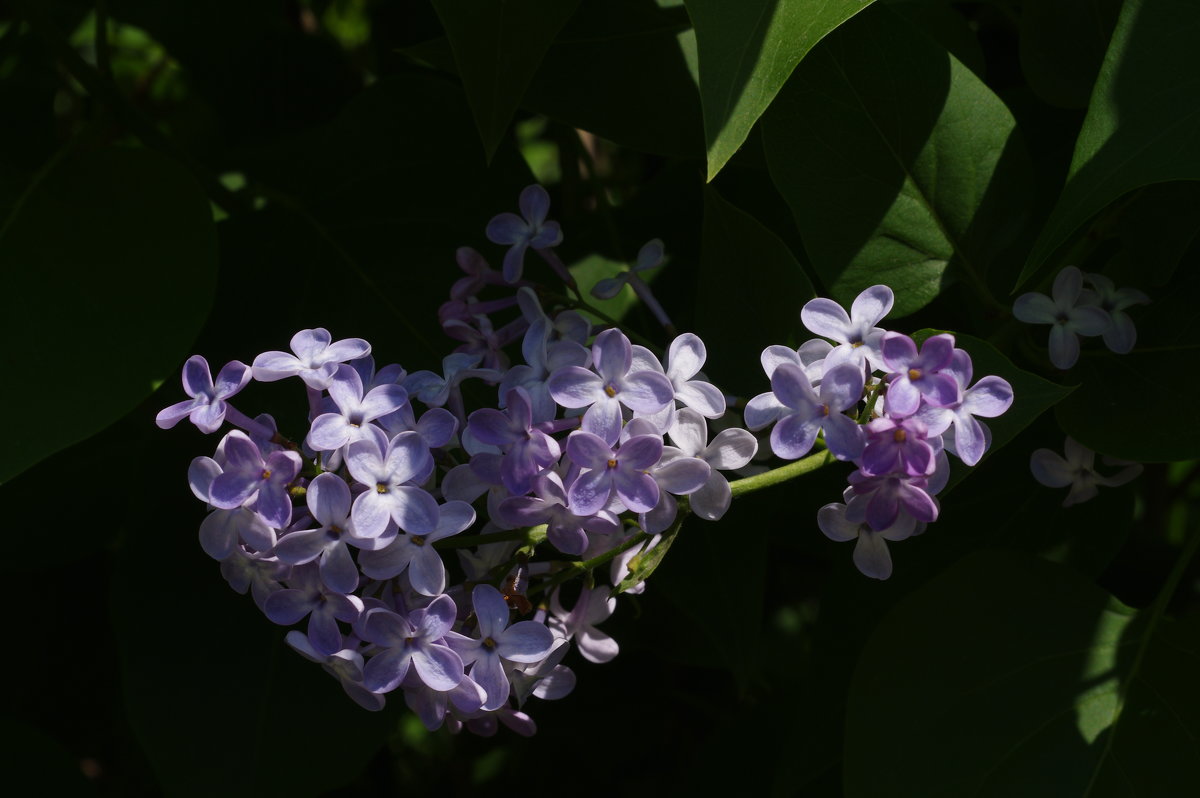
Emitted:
pixel 1073 311
pixel 428 548
pixel 891 408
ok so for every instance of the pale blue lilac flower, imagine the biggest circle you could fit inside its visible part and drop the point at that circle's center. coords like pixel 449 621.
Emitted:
pixel 988 398
pixel 806 412
pixel 328 499
pixel 307 596
pixel 1066 312
pixel 222 530
pixel 676 474
pixel 259 574
pixel 416 641
pixel 499 644
pixel 856 333
pixel 391 471
pixel 526 451
pixel 607 472
pixel 810 356
pixel 579 624
pixel 871 555
pixel 731 449
pixel 332 431
pixel 685 358
pixel 1078 470
pixel 615 385
pixel 247 475
pixel 1121 335
pixel 207 408
pixel 523 233
pixel 345 665
pixel 913 376
pixel 897 444
pixel 415 553
pixel 315 359
pixel 888 494
pixel 565 530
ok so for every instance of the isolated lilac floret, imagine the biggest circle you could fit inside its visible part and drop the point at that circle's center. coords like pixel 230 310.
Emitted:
pixel 1066 313
pixel 247 475
pixel 988 398
pixel 806 411
pixel 307 596
pixel 314 358
pixel 207 408
pixel 498 644
pixel 856 333
pixel 608 472
pixel 1121 335
pixel 391 470
pixel 416 641
pixel 415 552
pixel 530 229
pixel 871 555
pixel 328 499
pixel 729 450
pixel 614 385
pixel 1077 469
pixel 579 624
pixel 914 376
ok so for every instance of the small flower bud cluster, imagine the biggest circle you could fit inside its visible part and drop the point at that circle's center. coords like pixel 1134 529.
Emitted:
pixel 891 408
pixel 1075 311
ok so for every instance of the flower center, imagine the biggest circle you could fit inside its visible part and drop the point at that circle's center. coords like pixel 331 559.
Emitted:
pixel 899 436
pixel 266 473
pixel 610 391
pixel 914 374
pixel 380 487
pixel 489 643
pixel 418 540
pixel 612 463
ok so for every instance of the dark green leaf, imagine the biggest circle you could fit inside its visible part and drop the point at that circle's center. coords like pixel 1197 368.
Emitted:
pixel 107 272
pixel 1006 663
pixel 900 165
pixel 1142 125
pixel 498 47
pixel 751 291
pixel 1157 227
pixel 1063 45
pixel 747 51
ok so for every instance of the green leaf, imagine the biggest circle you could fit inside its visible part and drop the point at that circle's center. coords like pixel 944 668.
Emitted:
pixel 1062 46
pixel 1006 663
pixel 1143 123
pixel 746 272
pixel 1125 404
pixel 498 46
pixel 1157 227
pixel 747 51
pixel 107 273
pixel 900 166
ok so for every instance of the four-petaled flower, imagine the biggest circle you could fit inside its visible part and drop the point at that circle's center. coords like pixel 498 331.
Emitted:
pixel 1066 312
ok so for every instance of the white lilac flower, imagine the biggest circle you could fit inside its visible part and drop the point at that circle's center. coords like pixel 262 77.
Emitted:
pixel 729 450
pixel 579 624
pixel 1066 312
pixel 1076 469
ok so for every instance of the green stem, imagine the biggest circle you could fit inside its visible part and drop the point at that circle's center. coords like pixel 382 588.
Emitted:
pixel 530 536
pixel 574 569
pixel 740 487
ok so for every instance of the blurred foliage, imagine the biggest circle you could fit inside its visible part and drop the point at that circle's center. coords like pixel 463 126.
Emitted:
pixel 212 176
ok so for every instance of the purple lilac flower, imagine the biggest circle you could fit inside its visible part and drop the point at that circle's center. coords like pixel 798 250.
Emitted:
pixel 622 472
pixel 887 494
pixel 988 398
pixel 1121 334
pixel 498 644
pixel 390 471
pixel 1067 313
pixel 615 385
pixel 565 530
pixel 856 333
pixel 260 575
pixel 871 555
pixel 1078 470
pixel 527 451
pixel 579 624
pixel 206 409
pixel 328 499
pixel 346 666
pixel 897 444
pixel 913 376
pixel 435 390
pixel 222 530
pixel 805 412
pixel 478 274
pixel 247 475
pixel 522 233
pixel 315 360
pixel 729 450
pixel 308 596
pixel 414 551
pixel 332 431
pixel 417 640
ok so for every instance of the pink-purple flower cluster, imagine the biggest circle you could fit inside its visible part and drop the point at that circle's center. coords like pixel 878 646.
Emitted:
pixel 425 545
pixel 880 401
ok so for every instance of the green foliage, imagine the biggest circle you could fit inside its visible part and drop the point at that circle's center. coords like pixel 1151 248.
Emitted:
pixel 747 51
pixel 1005 663
pixel 901 166
pixel 107 271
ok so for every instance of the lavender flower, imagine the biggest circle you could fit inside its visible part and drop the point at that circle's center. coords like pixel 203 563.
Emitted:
pixel 247 475
pixel 526 450
pixel 802 412
pixel 915 376
pixel 522 233
pixel 579 624
pixel 389 469
pixel 315 360
pixel 1078 470
pixel 332 431
pixel 207 407
pixel 414 551
pixel 307 596
pixel 988 398
pixel 1121 335
pixel 415 641
pixel 856 333
pixel 607 472
pixel 1067 313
